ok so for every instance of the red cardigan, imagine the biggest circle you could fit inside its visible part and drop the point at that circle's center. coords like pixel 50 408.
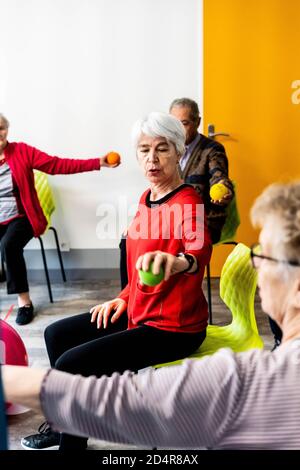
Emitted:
pixel 178 304
pixel 23 159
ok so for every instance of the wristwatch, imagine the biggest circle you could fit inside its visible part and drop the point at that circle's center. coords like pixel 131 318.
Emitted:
pixel 190 259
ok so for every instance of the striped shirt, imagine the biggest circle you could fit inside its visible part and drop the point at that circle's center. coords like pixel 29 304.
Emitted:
pixel 249 400
pixel 9 198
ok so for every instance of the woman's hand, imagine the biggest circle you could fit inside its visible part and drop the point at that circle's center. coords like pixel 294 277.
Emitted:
pixel 171 264
pixel 104 162
pixel 101 312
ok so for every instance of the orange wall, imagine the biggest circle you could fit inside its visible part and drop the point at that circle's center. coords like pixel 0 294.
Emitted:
pixel 251 59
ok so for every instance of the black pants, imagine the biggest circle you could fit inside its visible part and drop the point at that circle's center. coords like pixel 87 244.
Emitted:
pixel 13 237
pixel 75 345
pixel 123 263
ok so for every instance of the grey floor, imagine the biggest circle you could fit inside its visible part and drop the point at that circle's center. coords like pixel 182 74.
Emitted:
pixel 72 298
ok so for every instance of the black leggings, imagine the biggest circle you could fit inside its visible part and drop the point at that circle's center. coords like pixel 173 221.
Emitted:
pixel 13 237
pixel 123 263
pixel 75 345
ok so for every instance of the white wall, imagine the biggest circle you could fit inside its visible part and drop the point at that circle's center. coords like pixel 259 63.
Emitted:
pixel 76 74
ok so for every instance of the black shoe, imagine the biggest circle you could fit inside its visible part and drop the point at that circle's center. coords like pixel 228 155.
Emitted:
pixel 25 314
pixel 45 439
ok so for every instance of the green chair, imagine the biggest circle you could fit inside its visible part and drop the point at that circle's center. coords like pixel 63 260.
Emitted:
pixel 232 221
pixel 47 203
pixel 227 238
pixel 237 290
pixel 44 193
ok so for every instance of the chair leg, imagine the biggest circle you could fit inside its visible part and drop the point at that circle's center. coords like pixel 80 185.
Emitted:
pixel 2 272
pixel 46 269
pixel 209 302
pixel 59 254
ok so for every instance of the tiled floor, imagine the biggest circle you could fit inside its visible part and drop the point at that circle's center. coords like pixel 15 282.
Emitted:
pixel 73 298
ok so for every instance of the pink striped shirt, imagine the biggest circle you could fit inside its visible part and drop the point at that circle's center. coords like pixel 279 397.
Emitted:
pixel 249 400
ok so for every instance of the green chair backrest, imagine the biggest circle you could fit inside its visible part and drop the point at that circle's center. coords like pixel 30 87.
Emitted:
pixel 232 220
pixel 237 289
pixel 44 194
pixel 238 285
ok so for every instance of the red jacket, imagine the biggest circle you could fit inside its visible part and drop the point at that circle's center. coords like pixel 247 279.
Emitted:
pixel 178 304
pixel 23 159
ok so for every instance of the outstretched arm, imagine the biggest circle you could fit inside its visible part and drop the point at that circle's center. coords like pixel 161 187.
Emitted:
pixel 55 165
pixel 189 405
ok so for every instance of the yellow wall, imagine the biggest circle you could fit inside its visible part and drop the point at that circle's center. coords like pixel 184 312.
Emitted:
pixel 251 59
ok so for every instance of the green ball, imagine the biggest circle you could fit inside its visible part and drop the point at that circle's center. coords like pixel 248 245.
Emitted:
pixel 150 279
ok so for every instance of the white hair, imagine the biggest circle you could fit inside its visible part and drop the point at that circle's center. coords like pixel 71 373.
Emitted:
pixel 278 208
pixel 4 120
pixel 160 125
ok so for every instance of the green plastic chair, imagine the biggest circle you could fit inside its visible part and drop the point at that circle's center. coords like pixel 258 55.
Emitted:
pixel 46 200
pixel 237 289
pixel 232 221
pixel 227 238
pixel 45 195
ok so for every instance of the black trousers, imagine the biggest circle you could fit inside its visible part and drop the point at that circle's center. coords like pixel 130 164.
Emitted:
pixel 123 263
pixel 13 237
pixel 75 345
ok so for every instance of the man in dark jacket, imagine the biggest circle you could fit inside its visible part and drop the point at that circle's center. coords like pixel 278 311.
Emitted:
pixel 203 164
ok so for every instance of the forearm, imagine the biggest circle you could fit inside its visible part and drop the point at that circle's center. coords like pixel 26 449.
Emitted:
pixel 181 265
pixel 151 408
pixel 218 169
pixel 68 166
pixel 56 165
pixel 167 407
pixel 22 385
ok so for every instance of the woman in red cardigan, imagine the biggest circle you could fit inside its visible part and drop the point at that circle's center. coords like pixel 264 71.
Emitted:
pixel 143 325
pixel 21 216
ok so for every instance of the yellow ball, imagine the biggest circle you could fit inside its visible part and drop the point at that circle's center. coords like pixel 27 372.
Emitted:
pixel 217 191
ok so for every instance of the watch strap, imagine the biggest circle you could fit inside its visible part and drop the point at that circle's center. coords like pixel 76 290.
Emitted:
pixel 190 259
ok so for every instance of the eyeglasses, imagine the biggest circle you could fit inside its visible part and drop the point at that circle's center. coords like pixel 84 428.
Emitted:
pixel 257 257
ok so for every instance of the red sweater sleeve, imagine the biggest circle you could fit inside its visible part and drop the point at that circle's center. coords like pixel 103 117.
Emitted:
pixel 195 234
pixel 55 165
pixel 124 294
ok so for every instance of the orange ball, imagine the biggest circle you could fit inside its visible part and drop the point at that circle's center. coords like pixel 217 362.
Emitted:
pixel 112 158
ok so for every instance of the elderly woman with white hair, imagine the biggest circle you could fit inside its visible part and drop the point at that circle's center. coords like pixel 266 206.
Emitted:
pixel 247 400
pixel 143 325
pixel 21 215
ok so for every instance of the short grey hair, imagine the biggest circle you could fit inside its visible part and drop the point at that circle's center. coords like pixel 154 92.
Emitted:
pixel 164 125
pixel 4 120
pixel 187 102
pixel 281 202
